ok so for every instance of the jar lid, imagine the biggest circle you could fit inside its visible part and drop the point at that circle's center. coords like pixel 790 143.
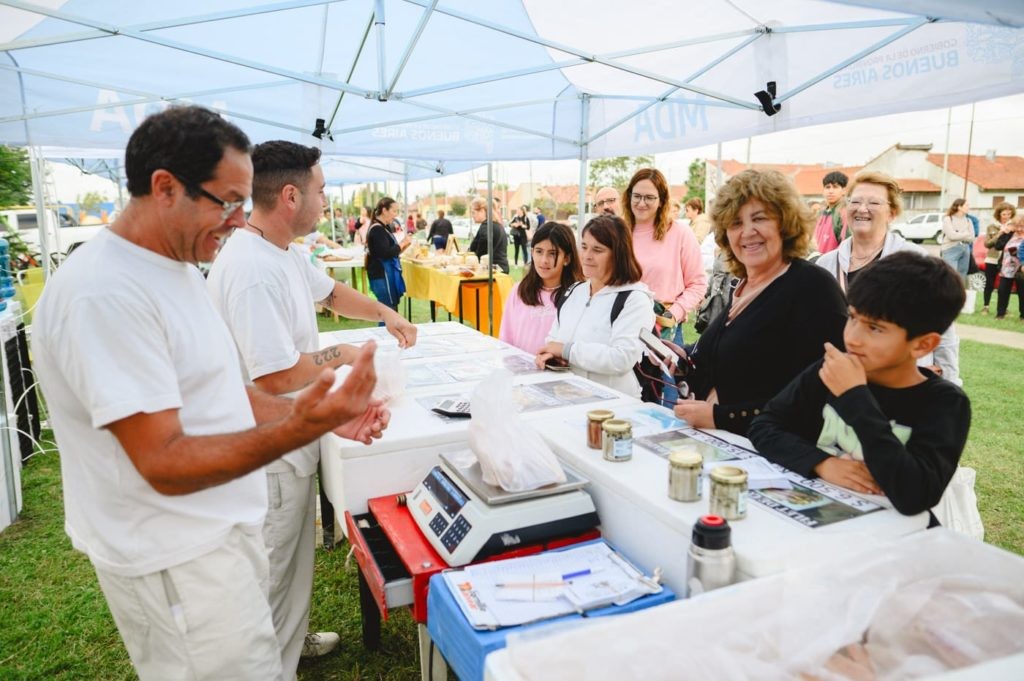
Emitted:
pixel 600 415
pixel 729 475
pixel 687 458
pixel 616 426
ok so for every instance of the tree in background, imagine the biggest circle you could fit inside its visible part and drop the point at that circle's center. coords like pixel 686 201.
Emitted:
pixel 15 177
pixel 458 206
pixel 617 171
pixel 695 183
pixel 90 202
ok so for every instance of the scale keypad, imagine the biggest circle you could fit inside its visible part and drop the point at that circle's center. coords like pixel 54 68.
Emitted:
pixel 438 524
pixel 454 536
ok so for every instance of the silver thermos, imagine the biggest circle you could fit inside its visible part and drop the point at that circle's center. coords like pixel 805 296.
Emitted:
pixel 710 562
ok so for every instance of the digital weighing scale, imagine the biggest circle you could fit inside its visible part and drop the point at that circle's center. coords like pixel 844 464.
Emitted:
pixel 466 520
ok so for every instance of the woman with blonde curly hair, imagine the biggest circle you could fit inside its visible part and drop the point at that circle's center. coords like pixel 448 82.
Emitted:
pixel 783 310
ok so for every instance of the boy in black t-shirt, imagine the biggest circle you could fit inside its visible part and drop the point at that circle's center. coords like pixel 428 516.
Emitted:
pixel 870 419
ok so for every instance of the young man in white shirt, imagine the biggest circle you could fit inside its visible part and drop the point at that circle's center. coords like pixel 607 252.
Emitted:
pixel 265 287
pixel 162 443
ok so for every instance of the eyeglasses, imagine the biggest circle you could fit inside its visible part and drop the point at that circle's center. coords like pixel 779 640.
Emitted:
pixel 872 206
pixel 644 198
pixel 608 202
pixel 227 207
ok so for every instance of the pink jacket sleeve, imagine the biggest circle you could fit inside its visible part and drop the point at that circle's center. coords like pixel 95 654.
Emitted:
pixel 695 281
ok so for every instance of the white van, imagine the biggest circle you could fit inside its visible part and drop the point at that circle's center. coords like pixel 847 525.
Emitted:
pixel 64 236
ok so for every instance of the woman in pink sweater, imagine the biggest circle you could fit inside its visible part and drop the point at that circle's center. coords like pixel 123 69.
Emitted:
pixel 668 253
pixel 530 309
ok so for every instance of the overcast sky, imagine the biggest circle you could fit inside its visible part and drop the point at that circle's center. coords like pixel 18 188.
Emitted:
pixel 998 124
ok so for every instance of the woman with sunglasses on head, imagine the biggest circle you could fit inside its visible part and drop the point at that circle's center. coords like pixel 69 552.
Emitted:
pixel 530 309
pixel 783 310
pixel 383 248
pixel 597 329
pixel 873 202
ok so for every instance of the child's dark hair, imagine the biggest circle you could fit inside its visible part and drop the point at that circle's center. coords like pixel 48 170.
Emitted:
pixel 919 293
pixel 562 238
pixel 835 177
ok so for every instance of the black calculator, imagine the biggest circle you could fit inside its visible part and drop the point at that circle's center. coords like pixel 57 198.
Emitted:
pixel 456 409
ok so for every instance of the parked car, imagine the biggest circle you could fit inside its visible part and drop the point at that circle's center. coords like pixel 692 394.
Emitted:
pixel 63 234
pixel 921 227
pixel 463 228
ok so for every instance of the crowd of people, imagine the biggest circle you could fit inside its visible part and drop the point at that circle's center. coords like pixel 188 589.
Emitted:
pixel 189 476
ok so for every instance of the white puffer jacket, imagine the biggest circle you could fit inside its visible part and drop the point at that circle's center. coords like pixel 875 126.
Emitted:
pixel 601 351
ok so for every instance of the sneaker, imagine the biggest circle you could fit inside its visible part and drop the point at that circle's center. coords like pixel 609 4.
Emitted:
pixel 320 643
pixel 984 310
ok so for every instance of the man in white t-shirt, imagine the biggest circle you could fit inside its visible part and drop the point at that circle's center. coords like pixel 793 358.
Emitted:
pixel 265 287
pixel 162 443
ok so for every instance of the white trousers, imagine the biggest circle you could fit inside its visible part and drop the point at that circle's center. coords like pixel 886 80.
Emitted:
pixel 204 619
pixel 289 533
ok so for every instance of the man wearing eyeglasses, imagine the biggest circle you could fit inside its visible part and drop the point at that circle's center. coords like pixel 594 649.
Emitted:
pixel 162 443
pixel 265 287
pixel 606 202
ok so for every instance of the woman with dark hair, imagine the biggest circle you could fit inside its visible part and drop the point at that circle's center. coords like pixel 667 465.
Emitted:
pixel 530 308
pixel 959 235
pixel 1003 214
pixel 383 268
pixel 597 329
pixel 518 226
pixel 783 310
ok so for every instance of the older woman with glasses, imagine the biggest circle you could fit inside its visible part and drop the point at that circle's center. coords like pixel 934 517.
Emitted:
pixel 873 202
pixel 782 313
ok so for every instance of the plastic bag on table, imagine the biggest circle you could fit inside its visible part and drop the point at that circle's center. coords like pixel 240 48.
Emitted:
pixel 512 455
pixel 957 510
pixel 931 601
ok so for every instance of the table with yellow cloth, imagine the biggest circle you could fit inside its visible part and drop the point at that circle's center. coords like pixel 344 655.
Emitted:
pixel 428 283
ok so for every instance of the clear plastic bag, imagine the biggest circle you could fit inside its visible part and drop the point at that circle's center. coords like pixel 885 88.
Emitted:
pixel 927 604
pixel 957 510
pixel 512 455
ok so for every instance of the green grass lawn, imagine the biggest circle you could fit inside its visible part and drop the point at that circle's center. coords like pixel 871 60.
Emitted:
pixel 54 623
pixel 1011 323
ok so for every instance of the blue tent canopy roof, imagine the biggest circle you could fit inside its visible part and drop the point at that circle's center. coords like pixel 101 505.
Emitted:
pixel 461 80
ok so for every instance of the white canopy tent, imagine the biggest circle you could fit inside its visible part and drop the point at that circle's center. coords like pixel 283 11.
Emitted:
pixel 463 80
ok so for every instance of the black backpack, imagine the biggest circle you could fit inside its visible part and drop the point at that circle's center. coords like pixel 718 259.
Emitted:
pixel 647 373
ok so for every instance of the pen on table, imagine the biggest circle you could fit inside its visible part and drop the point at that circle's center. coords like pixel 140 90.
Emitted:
pixel 566 578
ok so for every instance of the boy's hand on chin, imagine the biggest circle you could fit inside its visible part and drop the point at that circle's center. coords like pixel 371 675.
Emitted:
pixel 849 474
pixel 841 371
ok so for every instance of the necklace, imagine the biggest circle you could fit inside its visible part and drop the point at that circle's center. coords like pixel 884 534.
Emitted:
pixel 258 230
pixel 866 258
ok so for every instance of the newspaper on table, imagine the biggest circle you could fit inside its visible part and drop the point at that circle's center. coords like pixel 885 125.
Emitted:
pixel 805 501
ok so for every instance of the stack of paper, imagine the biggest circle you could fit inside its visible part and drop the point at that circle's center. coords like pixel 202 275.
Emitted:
pixel 520 590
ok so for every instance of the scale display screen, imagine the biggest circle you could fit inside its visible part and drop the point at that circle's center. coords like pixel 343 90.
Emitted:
pixel 446 492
